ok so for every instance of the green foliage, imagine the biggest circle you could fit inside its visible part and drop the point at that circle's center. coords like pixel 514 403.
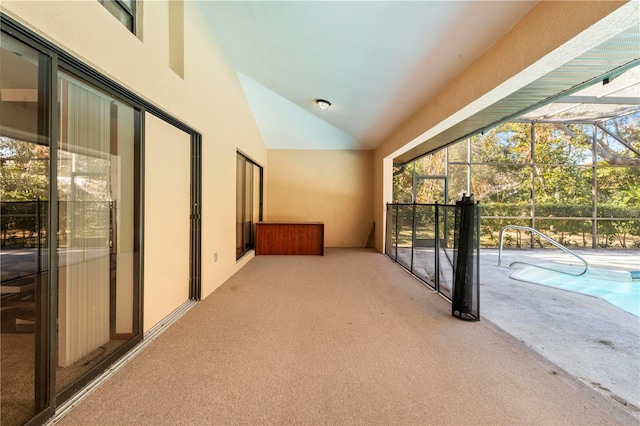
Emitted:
pixel 22 222
pixel 507 181
pixel 24 170
pixel 619 186
pixel 507 144
pixel 403 184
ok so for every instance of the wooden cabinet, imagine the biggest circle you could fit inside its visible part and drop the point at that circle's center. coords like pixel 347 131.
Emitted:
pixel 305 238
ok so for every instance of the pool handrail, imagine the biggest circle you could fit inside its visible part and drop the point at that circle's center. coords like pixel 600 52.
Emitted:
pixel 551 240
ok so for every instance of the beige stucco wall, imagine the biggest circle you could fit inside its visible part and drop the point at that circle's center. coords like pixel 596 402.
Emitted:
pixel 534 46
pixel 330 186
pixel 209 98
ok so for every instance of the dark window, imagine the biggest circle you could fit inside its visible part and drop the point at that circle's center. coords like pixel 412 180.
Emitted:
pixel 248 203
pixel 123 10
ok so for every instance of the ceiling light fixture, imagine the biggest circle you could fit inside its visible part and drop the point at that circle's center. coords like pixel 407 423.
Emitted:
pixel 322 104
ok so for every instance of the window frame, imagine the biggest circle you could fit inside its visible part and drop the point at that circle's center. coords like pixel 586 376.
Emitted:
pixel 123 7
pixel 247 243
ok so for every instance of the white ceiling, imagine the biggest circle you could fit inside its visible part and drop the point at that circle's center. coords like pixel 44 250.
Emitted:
pixel 377 62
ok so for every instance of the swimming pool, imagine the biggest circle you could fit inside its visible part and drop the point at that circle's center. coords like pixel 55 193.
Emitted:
pixel 619 288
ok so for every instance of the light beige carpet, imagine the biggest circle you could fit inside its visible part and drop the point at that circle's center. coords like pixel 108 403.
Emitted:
pixel 348 338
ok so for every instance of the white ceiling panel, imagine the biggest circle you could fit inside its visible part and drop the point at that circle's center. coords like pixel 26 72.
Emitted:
pixel 377 62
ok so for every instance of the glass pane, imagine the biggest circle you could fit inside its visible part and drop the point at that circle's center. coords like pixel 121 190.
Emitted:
pixel 96 228
pixel 129 3
pixel 508 143
pixel 255 216
pixel 24 183
pixel 239 204
pixel 119 12
pixel 248 207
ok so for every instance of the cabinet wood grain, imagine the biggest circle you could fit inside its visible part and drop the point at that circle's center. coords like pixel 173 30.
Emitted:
pixel 293 238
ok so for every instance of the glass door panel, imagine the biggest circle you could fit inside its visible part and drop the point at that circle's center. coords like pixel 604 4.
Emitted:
pixel 240 188
pixel 24 190
pixel 248 207
pixel 256 202
pixel 96 228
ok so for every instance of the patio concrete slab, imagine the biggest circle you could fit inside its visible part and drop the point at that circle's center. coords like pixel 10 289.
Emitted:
pixel 586 336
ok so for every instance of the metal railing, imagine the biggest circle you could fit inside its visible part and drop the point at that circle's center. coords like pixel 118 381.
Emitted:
pixel 546 238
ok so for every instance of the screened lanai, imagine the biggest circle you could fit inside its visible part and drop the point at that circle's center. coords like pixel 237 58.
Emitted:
pixel 570 169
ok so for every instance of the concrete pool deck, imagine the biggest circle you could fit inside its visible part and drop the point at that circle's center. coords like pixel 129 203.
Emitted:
pixel 587 337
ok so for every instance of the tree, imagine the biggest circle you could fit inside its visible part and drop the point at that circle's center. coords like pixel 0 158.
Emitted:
pixel 24 170
pixel 503 175
pixel 618 140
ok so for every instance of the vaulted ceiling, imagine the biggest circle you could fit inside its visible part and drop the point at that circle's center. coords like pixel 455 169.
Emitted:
pixel 377 62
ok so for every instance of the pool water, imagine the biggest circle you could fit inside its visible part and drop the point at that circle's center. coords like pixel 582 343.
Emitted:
pixel 620 288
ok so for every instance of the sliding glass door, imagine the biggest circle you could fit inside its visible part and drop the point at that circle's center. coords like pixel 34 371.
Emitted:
pixel 96 228
pixel 25 154
pixel 71 194
pixel 248 203
pixel 70 237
